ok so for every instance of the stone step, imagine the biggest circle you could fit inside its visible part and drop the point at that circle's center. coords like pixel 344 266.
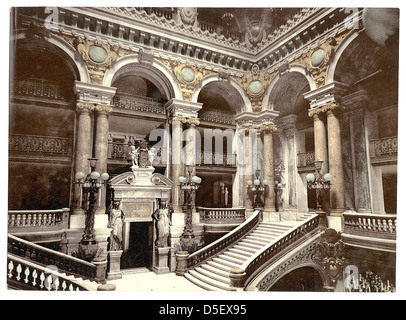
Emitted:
pixel 235 256
pixel 209 281
pixel 266 233
pixel 257 243
pixel 244 253
pixel 242 247
pixel 200 283
pixel 219 266
pixel 211 268
pixel 249 245
pixel 231 259
pixel 275 226
pixel 213 275
pixel 227 263
pixel 258 238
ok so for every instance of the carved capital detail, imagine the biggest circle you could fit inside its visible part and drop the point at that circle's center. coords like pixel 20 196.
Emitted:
pixel 188 121
pixel 334 106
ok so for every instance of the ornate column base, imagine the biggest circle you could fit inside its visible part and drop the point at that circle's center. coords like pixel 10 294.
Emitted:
pixel 237 279
pixel 161 260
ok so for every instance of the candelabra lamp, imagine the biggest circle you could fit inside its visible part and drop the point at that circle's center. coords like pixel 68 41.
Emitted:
pixel 258 190
pixel 189 185
pixel 90 186
pixel 321 184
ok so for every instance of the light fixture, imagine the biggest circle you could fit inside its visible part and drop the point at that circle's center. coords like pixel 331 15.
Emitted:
pixel 257 189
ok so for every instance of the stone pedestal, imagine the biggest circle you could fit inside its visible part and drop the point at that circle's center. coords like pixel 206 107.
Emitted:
pixel 161 260
pixel 181 262
pixel 237 279
pixel 114 265
pixel 101 268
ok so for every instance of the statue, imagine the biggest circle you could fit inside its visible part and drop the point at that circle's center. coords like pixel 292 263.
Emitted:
pixel 134 155
pixel 151 154
pixel 116 220
pixel 162 223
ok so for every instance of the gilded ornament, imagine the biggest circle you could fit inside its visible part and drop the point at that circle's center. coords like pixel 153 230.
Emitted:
pixel 185 120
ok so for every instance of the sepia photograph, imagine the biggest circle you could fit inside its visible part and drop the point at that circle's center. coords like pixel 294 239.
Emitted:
pixel 202 149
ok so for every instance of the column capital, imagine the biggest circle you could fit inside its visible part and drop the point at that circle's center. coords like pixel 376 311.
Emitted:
pixel 188 121
pixel 94 94
pixel 330 107
pixel 183 109
pixel 262 121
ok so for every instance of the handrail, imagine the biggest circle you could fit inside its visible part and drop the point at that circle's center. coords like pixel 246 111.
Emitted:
pixel 38 218
pixel 47 256
pixel 370 225
pixel 224 214
pixel 225 241
pixel 32 276
pixel 276 246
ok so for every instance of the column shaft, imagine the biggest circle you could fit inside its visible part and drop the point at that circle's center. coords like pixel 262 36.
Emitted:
pixel 269 170
pixel 176 164
pixel 83 153
pixel 320 142
pixel 100 152
pixel 248 165
pixel 335 164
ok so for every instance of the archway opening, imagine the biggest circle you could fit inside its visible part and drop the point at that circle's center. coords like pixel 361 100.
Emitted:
pixel 305 279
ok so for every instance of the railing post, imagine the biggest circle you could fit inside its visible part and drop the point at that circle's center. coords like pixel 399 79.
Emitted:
pixel 237 279
pixel 101 269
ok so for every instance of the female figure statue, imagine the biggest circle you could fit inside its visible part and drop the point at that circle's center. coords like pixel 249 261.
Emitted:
pixel 162 224
pixel 116 221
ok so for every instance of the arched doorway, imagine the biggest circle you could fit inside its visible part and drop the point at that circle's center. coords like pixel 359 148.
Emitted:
pixel 293 143
pixel 217 161
pixel 41 126
pixel 304 279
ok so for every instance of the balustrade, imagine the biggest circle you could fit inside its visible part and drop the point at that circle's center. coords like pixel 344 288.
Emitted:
pixel 39 88
pixel 45 256
pixel 33 144
pixel 217 116
pixel 23 274
pixel 305 159
pixel 384 150
pixel 138 103
pixel 225 215
pixel 369 225
pixel 33 219
pixel 215 158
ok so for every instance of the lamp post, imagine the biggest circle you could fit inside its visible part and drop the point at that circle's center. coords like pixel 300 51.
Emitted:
pixel 189 185
pixel 257 189
pixel 320 183
pixel 90 186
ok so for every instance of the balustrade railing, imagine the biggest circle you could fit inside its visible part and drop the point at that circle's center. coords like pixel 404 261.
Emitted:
pixel 45 256
pixel 34 144
pixel 384 150
pixel 305 159
pixel 217 159
pixel 138 103
pixel 370 225
pixel 224 242
pixel 39 88
pixel 23 274
pixel 21 220
pixel 120 151
pixel 217 116
pixel 270 252
pixel 221 215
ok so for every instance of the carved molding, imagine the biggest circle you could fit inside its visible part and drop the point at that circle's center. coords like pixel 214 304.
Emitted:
pixel 185 120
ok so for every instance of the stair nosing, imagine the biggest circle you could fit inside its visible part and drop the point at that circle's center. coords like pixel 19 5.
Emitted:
pixel 208 280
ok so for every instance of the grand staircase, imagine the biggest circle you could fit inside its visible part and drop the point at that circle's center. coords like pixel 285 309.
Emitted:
pixel 213 274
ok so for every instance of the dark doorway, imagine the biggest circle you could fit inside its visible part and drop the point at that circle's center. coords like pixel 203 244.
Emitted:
pixel 139 253
pixel 390 192
pixel 302 279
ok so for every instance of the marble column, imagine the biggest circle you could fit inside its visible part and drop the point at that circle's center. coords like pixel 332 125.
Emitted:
pixel 100 150
pixel 248 172
pixel 335 163
pixel 320 141
pixel 269 168
pixel 176 164
pixel 83 149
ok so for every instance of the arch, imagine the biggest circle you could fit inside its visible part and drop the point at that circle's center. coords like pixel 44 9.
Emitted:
pixel 331 69
pixel 246 103
pixel 156 72
pixel 266 101
pixel 75 57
